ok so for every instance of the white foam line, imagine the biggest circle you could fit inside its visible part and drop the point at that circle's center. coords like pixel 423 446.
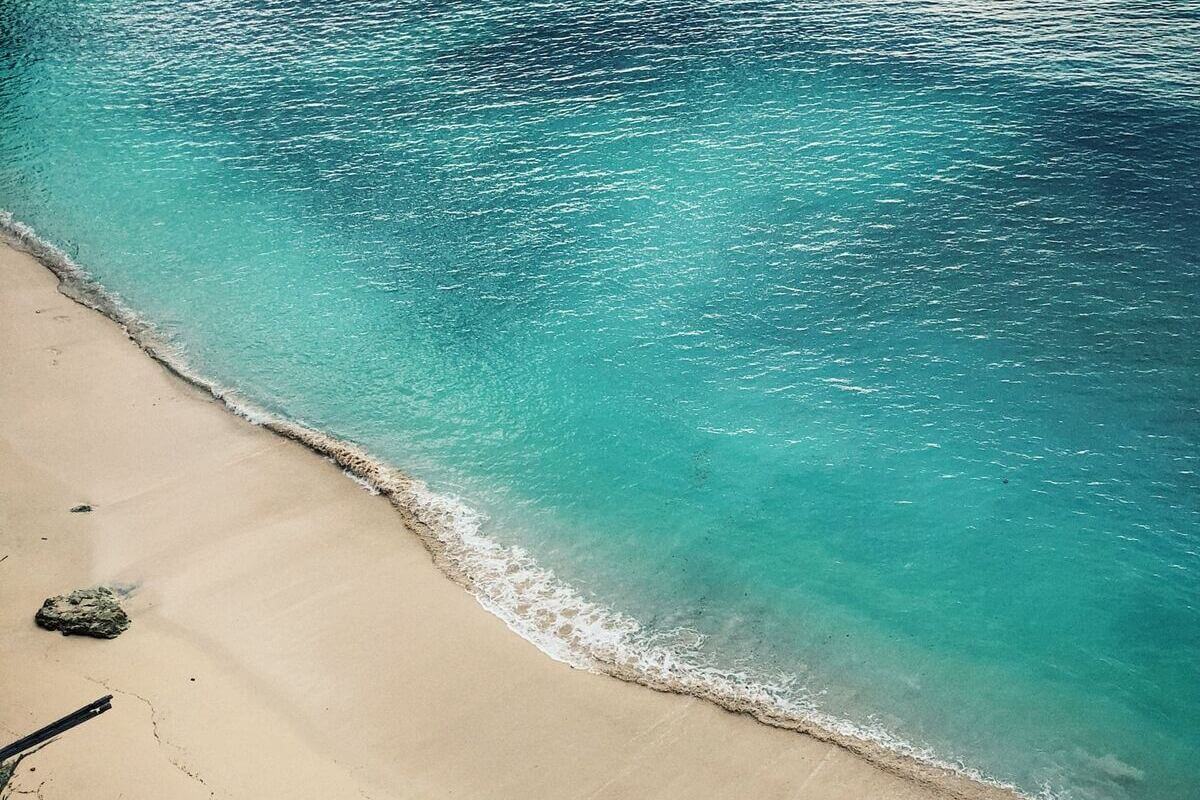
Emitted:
pixel 530 600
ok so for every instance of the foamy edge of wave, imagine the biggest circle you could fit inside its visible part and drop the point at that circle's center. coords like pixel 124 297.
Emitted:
pixel 507 582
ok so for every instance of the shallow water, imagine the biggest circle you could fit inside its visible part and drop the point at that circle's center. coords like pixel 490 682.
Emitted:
pixel 849 348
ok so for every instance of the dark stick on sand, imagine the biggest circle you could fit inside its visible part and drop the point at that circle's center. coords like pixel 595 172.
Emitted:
pixel 58 726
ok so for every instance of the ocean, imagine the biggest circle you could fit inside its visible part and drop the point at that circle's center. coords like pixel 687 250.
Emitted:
pixel 840 358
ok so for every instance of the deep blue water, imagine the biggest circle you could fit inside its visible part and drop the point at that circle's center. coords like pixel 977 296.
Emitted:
pixel 851 348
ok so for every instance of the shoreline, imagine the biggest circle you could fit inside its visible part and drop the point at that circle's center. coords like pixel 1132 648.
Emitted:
pixel 880 771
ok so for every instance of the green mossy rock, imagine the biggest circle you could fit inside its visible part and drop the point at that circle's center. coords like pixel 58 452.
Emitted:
pixel 84 612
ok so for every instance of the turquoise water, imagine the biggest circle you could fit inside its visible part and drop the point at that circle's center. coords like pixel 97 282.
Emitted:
pixel 846 349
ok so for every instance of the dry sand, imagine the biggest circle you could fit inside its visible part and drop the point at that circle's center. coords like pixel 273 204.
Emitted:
pixel 290 638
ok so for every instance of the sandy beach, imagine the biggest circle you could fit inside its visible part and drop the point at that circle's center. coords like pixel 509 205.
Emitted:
pixel 290 638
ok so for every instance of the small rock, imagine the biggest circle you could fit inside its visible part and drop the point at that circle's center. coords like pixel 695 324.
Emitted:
pixel 84 612
pixel 82 508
